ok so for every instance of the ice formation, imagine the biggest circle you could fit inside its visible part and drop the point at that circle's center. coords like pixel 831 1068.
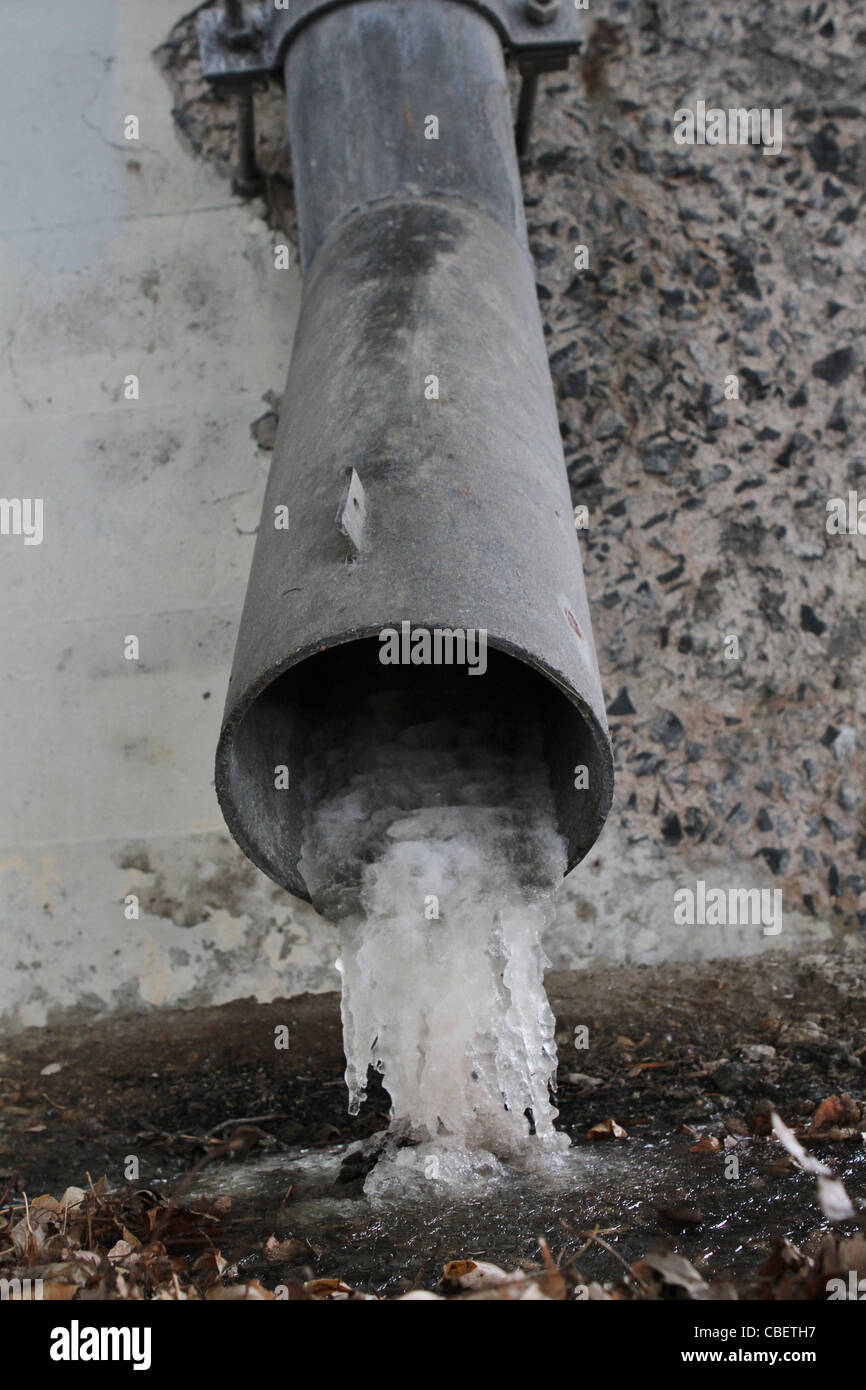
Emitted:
pixel 433 845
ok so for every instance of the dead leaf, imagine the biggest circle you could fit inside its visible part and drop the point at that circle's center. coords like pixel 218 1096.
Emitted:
pixel 282 1251
pixel 607 1129
pixel 708 1145
pixel 55 1291
pixel 675 1270
pixel 834 1200
pixel 120 1250
pixel 73 1197
pixel 795 1148
pixel 46 1203
pixel 240 1293
pixel 475 1274
pixel 834 1110
pixel 832 1197
pixel 332 1290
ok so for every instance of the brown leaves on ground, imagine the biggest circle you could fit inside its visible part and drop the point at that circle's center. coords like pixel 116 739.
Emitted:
pixel 837 1117
pixel 478 1279
pixel 790 1274
pixel 665 1274
pixel 140 1245
pixel 123 1245
pixel 146 1245
pixel 661 1275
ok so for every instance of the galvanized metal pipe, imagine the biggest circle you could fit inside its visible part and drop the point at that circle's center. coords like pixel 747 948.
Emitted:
pixel 417 266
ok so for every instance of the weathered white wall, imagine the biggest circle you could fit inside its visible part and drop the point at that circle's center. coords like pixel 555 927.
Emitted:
pixel 122 257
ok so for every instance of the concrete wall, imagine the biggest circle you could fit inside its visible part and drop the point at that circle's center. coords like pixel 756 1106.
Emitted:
pixel 124 257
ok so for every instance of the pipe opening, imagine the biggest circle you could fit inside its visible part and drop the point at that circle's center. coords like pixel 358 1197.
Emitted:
pixel 288 750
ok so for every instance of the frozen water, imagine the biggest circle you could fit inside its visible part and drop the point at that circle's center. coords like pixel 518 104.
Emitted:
pixel 432 842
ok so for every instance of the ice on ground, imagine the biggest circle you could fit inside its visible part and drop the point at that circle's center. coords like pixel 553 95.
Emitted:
pixel 433 845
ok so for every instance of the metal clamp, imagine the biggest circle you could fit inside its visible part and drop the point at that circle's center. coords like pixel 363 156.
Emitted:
pixel 241 44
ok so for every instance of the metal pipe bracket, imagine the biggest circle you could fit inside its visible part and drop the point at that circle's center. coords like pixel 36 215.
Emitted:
pixel 539 36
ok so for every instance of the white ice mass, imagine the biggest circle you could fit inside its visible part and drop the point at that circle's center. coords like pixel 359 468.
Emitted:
pixel 435 849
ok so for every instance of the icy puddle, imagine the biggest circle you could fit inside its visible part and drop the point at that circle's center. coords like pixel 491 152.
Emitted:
pixel 385 1242
pixel 376 1239
pixel 433 846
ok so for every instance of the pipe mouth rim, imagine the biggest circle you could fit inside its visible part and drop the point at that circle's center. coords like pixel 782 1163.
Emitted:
pixel 236 711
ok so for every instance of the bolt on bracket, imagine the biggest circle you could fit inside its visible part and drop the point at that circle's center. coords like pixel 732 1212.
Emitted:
pixel 240 44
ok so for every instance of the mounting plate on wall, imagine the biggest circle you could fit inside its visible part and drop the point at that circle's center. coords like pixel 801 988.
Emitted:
pixel 257 48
